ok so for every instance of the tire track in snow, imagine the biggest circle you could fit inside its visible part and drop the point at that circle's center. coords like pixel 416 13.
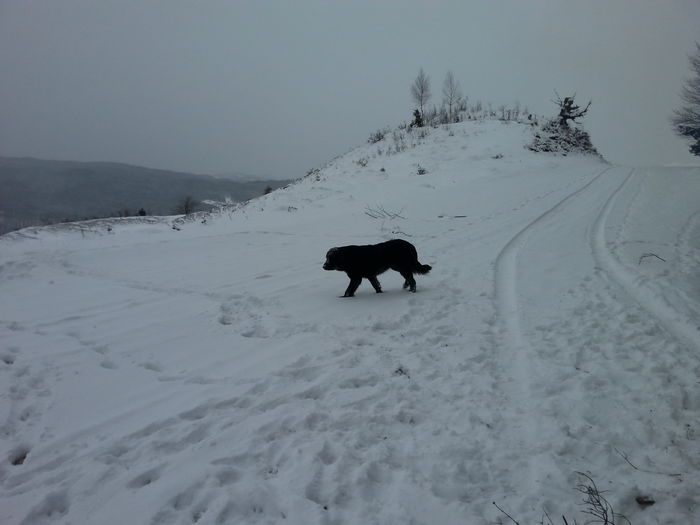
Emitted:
pixel 516 350
pixel 506 268
pixel 679 327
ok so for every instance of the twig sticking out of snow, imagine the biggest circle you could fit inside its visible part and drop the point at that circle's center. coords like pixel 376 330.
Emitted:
pixel 635 467
pixel 644 256
pixel 594 504
pixel 381 213
pixel 506 514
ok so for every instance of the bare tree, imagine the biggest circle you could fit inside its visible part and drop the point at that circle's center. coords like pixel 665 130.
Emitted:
pixel 568 110
pixel 186 206
pixel 451 93
pixel 420 90
pixel 686 120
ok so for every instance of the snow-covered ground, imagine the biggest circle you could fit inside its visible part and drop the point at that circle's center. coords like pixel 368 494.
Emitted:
pixel 211 374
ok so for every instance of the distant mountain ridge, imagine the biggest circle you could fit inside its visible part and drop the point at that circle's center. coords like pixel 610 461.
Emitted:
pixel 36 191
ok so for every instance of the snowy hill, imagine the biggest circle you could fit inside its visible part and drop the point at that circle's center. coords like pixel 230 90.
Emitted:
pixel 210 374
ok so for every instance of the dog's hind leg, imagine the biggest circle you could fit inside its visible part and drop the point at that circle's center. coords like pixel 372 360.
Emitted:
pixel 410 282
pixel 375 283
pixel 354 283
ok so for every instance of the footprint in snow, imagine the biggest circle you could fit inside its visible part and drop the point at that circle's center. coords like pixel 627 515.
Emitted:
pixel 18 456
pixel 54 506
pixel 145 478
pixel 109 364
pixel 10 356
pixel 153 367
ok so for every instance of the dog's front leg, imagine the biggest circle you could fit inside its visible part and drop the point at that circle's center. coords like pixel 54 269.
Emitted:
pixel 354 283
pixel 375 283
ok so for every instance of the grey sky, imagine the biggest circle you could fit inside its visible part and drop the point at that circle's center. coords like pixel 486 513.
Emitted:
pixel 278 87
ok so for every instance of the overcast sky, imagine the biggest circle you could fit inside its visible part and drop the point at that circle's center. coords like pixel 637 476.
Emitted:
pixel 276 87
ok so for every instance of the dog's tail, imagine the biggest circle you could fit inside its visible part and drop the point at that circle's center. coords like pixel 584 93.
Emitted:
pixel 423 268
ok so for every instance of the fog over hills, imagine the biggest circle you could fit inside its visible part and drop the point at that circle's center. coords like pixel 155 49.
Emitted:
pixel 36 191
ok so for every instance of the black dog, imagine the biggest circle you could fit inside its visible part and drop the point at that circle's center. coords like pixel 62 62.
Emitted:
pixel 370 260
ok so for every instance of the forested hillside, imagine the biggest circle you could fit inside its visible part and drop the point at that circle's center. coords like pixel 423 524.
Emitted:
pixel 34 192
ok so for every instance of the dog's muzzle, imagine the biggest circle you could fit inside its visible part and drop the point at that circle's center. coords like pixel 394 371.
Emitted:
pixel 327 265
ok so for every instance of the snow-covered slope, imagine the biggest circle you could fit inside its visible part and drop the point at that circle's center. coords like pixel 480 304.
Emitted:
pixel 210 374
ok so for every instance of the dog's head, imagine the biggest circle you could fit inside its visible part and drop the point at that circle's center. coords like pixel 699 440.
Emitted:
pixel 331 260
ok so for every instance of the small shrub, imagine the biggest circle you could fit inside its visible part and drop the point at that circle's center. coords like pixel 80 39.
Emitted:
pixel 552 137
pixel 399 141
pixel 378 136
pixel 417 119
pixel 314 173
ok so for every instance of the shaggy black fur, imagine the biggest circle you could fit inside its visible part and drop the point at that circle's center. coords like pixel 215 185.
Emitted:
pixel 370 260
